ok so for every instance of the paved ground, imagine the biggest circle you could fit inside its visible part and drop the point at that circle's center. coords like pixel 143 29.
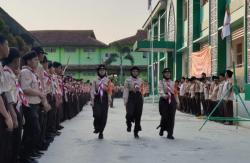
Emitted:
pixel 215 143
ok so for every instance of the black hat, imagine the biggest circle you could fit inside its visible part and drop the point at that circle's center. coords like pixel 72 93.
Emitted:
pixel 204 74
pixel 166 70
pixel 193 78
pixel 101 66
pixel 39 50
pixel 56 64
pixel 28 56
pixel 134 68
pixel 229 73
pixel 13 54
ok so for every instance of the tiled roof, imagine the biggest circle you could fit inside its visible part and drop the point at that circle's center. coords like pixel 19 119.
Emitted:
pixel 85 38
pixel 140 35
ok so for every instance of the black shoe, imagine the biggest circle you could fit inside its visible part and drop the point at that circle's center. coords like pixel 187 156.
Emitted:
pixel 39 152
pixel 170 137
pixel 60 127
pixel 136 135
pixel 96 131
pixel 100 136
pixel 129 128
pixel 27 160
pixel 58 133
pixel 161 133
pixel 35 155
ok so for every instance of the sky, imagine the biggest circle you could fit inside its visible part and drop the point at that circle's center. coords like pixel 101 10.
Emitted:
pixel 111 20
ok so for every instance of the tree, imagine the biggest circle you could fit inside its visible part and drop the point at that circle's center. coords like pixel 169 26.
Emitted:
pixel 124 52
pixel 14 40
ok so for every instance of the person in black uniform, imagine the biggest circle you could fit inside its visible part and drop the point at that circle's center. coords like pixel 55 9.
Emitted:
pixel 100 100
pixel 167 104
pixel 133 100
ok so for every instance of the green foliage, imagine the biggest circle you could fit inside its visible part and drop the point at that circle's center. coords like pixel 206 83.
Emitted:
pixel 14 40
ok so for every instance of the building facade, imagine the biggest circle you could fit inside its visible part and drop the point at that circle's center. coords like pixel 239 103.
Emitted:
pixel 83 52
pixel 180 28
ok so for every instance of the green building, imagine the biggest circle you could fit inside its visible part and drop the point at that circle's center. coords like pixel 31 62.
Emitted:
pixel 83 52
pixel 180 28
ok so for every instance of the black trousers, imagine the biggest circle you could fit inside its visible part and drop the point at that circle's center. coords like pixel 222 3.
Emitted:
pixel 100 112
pixel 43 120
pixel 167 111
pixel 16 138
pixel 51 117
pixel 197 104
pixel 134 110
pixel 228 109
pixel 5 142
pixel 32 129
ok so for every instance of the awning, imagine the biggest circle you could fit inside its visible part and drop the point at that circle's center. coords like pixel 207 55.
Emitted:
pixel 157 46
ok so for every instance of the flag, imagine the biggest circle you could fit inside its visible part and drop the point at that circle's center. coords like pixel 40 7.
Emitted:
pixel 226 25
pixel 149 4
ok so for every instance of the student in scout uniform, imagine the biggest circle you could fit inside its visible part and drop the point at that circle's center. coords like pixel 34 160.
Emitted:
pixel 6 121
pixel 32 89
pixel 219 95
pixel 213 97
pixel 43 112
pixel 167 104
pixel 49 80
pixel 133 100
pixel 206 96
pixel 59 94
pixel 197 98
pixel 182 94
pixel 193 103
pixel 228 99
pixel 15 99
pixel 100 100
pixel 188 96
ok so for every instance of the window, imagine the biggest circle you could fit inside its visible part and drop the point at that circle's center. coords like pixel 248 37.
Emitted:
pixel 70 50
pixel 185 10
pixel 239 56
pixel 145 55
pixel 50 50
pixel 91 50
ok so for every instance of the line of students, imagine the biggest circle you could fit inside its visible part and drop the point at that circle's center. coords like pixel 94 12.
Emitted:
pixel 200 96
pixel 35 99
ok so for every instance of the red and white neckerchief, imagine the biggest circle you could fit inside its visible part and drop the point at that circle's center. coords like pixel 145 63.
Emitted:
pixel 168 90
pixel 100 90
pixel 58 89
pixel 21 99
pixel 136 83
pixel 47 78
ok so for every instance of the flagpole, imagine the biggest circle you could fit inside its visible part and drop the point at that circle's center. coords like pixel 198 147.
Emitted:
pixel 152 52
